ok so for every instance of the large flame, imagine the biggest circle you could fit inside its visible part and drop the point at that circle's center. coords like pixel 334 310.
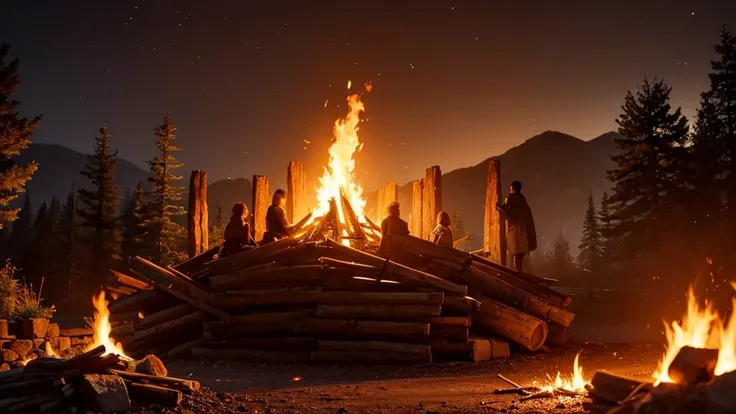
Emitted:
pixel 701 327
pixel 338 175
pixel 102 327
pixel 575 383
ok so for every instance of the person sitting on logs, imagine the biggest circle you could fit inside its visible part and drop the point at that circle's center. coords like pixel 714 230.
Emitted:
pixel 237 232
pixel 521 235
pixel 277 225
pixel 393 224
pixel 442 234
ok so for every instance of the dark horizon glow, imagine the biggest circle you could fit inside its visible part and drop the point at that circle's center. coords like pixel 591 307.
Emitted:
pixel 454 82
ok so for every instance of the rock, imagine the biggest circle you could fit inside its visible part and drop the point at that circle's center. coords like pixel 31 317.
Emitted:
pixel 53 330
pixel 60 343
pixel 31 356
pixel 34 328
pixel 21 347
pixel 151 365
pixel 4 367
pixel 81 340
pixel 73 351
pixel 107 392
pixel 38 343
pixel 77 332
pixel 3 327
pixel 8 355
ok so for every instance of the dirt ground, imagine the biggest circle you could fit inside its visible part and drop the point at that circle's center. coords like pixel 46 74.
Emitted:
pixel 435 388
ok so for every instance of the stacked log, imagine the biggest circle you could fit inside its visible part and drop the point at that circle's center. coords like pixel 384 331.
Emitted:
pixel 92 380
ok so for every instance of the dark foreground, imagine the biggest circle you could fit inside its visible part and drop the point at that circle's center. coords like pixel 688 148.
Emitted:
pixel 435 388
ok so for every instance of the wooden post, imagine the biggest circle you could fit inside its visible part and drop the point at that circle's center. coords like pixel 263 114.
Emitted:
pixel 386 195
pixel 380 207
pixel 494 227
pixel 261 202
pixel 431 199
pixel 416 208
pixel 296 187
pixel 197 215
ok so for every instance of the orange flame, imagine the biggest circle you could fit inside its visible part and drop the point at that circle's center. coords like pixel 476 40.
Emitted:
pixel 102 327
pixel 50 350
pixel 701 327
pixel 576 382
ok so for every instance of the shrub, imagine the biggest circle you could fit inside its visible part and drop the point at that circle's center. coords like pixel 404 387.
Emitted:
pixel 18 301
pixel 9 291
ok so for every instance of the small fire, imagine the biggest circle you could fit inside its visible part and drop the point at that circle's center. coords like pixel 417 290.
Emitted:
pixel 338 175
pixel 50 350
pixel 102 327
pixel 701 327
pixel 576 383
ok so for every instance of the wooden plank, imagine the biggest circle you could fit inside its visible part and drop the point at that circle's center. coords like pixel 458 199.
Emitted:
pixel 431 199
pixel 494 227
pixel 192 289
pixel 296 202
pixel 261 202
pixel 416 208
pixel 130 281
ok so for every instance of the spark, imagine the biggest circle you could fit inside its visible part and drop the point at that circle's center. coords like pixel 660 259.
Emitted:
pixel 350 84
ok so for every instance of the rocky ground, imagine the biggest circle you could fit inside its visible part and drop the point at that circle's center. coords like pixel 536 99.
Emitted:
pixel 235 387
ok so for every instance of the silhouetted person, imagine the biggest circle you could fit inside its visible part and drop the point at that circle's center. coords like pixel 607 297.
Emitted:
pixel 521 235
pixel 442 234
pixel 237 231
pixel 393 224
pixel 277 225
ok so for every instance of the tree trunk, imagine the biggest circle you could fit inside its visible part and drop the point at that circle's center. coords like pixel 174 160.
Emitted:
pixel 416 208
pixel 431 199
pixel 261 202
pixel 494 228
pixel 296 201
pixel 510 323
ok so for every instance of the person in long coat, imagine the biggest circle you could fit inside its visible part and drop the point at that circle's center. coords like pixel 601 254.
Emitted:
pixel 442 234
pixel 521 235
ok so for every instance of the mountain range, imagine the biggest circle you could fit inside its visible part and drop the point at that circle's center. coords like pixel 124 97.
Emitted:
pixel 558 172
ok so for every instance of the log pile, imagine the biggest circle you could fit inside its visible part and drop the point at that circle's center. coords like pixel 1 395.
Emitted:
pixel 90 381
pixel 300 301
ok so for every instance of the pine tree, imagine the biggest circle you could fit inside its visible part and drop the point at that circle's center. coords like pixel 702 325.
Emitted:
pixel 22 234
pixel 217 232
pixel 559 259
pixel 66 234
pixel 39 263
pixel 133 223
pixel 608 241
pixel 591 248
pixel 458 231
pixel 164 238
pixel 15 133
pixel 648 179
pixel 99 205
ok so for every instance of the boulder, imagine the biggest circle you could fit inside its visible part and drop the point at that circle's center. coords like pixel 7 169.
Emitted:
pixel 73 351
pixel 4 367
pixel 38 342
pixel 150 365
pixel 107 392
pixel 53 330
pixel 7 355
pixel 34 328
pixel 21 347
pixel 81 340
pixel 3 328
pixel 60 343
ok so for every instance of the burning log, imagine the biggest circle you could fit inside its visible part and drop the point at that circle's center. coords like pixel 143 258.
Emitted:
pixel 296 186
pixel 494 229
pixel 431 199
pixel 261 202
pixel 416 208
pixel 693 365
pixel 197 214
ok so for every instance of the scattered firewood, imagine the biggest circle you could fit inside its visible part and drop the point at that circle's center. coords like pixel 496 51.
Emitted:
pixel 693 365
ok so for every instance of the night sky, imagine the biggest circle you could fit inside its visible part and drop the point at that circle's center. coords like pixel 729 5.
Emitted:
pixel 246 81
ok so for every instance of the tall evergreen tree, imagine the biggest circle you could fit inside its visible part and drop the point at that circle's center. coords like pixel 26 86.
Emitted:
pixel 217 232
pixel 67 236
pixel 99 205
pixel 22 233
pixel 608 241
pixel 165 238
pixel 648 178
pixel 458 230
pixel 591 246
pixel 40 263
pixel 15 133
pixel 559 261
pixel 133 217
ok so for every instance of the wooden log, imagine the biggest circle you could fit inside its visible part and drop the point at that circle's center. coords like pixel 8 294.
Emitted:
pixel 474 350
pixel 242 260
pixel 74 332
pixel 257 355
pixel 272 343
pixel 450 332
pixel 164 316
pixel 26 404
pixel 197 214
pixel 261 202
pixel 186 347
pixel 431 199
pixel 510 323
pixel 425 249
pixel 130 281
pixel 170 382
pixel 463 321
pixel 183 284
pixel 197 263
pixel 125 328
pixel 196 303
pixel 133 303
pixel 527 276
pixel 190 319
pixel 394 312
pixel 315 325
pixel 154 394
pixel 460 305
pixel 557 335
pixel 416 208
pixel 494 227
pixel 610 388
pixel 693 365
pixel 541 291
pixel 119 290
pixel 247 298
pixel 292 274
pixel 337 281
pixel 376 346
pixel 296 187
pixel 369 358
pixel 501 291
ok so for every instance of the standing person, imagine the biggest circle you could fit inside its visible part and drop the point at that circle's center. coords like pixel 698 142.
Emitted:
pixel 442 234
pixel 277 225
pixel 237 232
pixel 393 224
pixel 521 235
